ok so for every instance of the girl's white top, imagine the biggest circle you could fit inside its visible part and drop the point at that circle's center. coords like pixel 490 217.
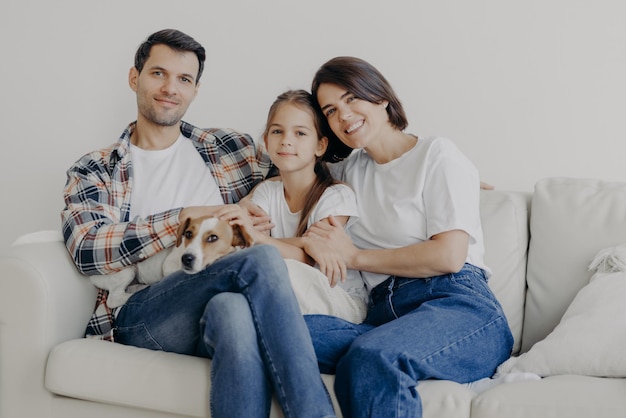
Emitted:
pixel 337 200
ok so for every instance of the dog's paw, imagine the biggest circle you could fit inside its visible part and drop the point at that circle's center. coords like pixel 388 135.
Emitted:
pixel 117 298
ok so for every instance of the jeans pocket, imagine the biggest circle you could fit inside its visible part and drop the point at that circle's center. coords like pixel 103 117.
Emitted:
pixel 138 336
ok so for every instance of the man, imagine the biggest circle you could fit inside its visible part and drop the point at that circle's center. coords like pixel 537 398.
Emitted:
pixel 124 204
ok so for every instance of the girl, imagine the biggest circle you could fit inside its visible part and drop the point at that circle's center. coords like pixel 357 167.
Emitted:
pixel 431 313
pixel 306 193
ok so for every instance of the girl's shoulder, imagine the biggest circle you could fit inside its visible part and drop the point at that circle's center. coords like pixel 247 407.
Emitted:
pixel 338 191
pixel 270 185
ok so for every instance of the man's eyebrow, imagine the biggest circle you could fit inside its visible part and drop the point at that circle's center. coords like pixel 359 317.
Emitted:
pixel 189 76
pixel 159 68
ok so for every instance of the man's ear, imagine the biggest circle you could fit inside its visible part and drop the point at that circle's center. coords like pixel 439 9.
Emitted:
pixel 133 75
pixel 322 146
pixel 196 91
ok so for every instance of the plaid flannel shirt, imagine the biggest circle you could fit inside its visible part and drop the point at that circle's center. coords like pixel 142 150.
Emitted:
pixel 97 229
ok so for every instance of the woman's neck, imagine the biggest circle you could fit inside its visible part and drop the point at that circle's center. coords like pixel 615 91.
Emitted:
pixel 391 146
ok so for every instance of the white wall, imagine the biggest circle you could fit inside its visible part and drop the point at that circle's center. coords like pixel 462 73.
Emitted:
pixel 528 89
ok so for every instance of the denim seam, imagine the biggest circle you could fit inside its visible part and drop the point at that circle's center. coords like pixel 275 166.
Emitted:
pixel 499 318
pixel 390 297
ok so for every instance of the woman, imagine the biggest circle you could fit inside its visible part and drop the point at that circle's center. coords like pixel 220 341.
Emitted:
pixel 419 246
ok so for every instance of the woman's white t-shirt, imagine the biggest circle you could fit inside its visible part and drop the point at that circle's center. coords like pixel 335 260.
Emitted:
pixel 171 178
pixel 432 188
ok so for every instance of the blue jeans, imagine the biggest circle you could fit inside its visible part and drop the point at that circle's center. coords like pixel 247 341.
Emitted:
pixel 242 313
pixel 445 327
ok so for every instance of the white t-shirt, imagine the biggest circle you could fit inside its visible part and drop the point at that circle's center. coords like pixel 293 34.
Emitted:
pixel 337 200
pixel 170 178
pixel 432 188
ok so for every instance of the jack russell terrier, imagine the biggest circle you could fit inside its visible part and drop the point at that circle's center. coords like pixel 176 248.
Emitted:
pixel 199 242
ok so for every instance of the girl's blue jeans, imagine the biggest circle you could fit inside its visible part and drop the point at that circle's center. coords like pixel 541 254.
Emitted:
pixel 242 313
pixel 445 327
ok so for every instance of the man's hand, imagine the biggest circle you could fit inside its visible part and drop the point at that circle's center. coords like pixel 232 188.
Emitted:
pixel 261 220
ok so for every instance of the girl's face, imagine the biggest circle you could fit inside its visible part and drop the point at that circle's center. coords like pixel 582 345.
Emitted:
pixel 292 140
pixel 357 123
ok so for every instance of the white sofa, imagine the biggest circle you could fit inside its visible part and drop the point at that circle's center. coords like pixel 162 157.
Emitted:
pixel 538 245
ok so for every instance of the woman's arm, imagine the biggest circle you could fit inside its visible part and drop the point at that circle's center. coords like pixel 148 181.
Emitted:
pixel 443 253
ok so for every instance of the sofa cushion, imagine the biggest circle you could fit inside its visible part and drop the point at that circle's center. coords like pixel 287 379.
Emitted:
pixel 554 397
pixel 589 338
pixel 570 221
pixel 111 373
pixel 106 372
pixel 504 217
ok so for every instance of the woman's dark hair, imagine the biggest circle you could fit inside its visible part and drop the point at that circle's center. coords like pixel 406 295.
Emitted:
pixel 323 178
pixel 365 82
pixel 176 40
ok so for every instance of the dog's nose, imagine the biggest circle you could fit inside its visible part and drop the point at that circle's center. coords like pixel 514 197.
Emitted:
pixel 187 260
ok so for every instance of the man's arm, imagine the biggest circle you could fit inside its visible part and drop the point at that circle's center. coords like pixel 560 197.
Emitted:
pixel 98 237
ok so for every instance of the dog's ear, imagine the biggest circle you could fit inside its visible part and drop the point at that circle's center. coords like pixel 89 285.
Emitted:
pixel 241 238
pixel 181 230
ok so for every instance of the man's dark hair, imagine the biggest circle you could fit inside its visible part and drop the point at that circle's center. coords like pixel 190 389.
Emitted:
pixel 176 40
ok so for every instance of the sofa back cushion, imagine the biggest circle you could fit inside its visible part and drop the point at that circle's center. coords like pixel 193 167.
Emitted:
pixel 504 217
pixel 571 220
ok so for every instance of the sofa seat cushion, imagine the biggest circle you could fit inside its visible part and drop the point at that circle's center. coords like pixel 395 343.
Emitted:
pixel 566 396
pixel 109 373
pixel 112 373
pixel 443 398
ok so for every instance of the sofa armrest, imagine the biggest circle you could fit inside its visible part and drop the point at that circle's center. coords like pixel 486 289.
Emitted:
pixel 44 300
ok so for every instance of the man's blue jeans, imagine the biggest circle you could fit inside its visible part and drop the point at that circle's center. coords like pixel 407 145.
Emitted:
pixel 242 313
pixel 445 327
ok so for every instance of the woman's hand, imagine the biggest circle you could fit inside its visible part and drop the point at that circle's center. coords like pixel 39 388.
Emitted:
pixel 328 261
pixel 333 236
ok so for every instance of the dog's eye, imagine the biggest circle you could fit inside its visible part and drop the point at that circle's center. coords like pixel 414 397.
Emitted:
pixel 212 238
pixel 188 234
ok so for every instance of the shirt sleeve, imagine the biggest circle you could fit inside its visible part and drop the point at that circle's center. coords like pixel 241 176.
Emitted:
pixel 262 196
pixel 451 191
pixel 97 236
pixel 337 200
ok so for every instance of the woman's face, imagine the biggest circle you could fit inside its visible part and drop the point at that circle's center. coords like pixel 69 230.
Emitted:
pixel 356 122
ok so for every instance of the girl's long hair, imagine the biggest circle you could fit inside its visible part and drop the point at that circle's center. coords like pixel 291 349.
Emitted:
pixel 323 177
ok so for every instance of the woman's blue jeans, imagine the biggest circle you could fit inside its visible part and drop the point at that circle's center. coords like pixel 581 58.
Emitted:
pixel 242 313
pixel 445 327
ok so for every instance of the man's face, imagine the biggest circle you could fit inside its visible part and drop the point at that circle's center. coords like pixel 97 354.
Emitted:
pixel 166 85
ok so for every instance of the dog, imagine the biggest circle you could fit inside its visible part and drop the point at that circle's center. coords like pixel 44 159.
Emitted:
pixel 199 243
